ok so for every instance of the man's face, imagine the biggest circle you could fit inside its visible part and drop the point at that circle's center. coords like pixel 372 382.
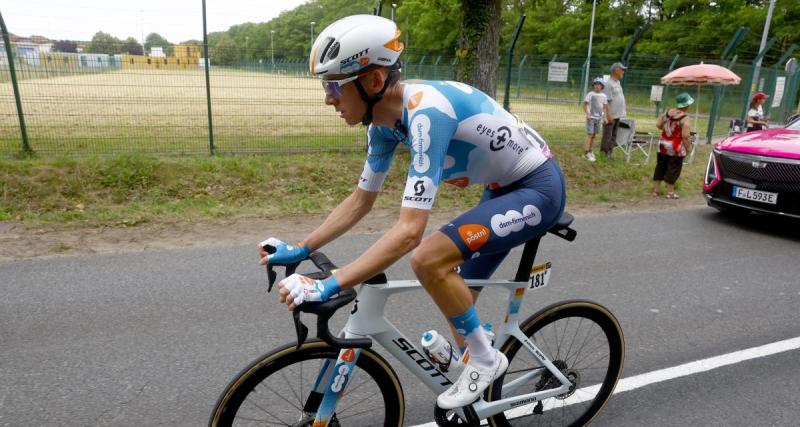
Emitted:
pixel 598 87
pixel 618 73
pixel 348 103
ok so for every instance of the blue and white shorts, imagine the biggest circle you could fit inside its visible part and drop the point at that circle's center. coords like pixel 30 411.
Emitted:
pixel 507 217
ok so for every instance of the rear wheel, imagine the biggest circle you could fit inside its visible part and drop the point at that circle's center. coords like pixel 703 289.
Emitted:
pixel 278 390
pixel 584 341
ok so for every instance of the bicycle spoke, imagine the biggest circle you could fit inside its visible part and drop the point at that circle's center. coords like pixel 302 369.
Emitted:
pixel 286 380
pixel 282 397
pixel 266 412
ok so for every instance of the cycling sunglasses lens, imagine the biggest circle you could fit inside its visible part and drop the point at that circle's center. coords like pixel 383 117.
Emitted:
pixel 332 89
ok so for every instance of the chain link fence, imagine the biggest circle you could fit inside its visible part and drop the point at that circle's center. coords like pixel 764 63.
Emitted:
pixel 91 104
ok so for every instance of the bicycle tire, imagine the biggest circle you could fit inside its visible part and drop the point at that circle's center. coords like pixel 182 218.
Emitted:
pixel 551 319
pixel 283 359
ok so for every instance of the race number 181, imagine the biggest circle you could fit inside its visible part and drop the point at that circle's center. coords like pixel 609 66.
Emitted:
pixel 540 275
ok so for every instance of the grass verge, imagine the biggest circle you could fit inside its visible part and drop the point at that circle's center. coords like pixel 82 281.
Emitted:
pixel 134 189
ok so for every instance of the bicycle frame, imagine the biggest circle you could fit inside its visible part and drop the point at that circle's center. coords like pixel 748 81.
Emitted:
pixel 367 320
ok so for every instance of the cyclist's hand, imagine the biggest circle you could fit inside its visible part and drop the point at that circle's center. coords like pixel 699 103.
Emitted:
pixel 285 253
pixel 297 289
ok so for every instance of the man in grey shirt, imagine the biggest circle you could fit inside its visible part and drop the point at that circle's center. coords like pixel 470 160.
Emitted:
pixel 616 102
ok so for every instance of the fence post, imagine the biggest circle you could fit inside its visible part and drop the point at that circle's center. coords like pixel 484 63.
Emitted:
pixel 506 104
pixel 519 73
pixel 584 73
pixel 10 57
pixel 749 88
pixel 665 94
pixel 436 66
pixel 208 83
pixel 547 81
pixel 776 71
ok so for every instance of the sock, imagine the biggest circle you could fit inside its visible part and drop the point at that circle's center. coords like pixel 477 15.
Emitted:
pixel 469 325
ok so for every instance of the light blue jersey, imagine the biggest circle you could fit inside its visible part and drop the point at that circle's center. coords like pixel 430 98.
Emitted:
pixel 456 134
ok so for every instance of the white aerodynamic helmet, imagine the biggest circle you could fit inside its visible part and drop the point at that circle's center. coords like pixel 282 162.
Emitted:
pixel 353 44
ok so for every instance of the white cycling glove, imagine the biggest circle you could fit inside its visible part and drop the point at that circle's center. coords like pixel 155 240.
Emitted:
pixel 303 288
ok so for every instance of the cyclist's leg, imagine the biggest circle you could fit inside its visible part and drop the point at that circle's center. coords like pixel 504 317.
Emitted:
pixel 513 216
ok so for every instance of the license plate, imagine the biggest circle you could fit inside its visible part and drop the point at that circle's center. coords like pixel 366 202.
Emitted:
pixel 755 195
pixel 540 275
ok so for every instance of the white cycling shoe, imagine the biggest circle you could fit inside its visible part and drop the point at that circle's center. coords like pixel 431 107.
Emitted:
pixel 472 383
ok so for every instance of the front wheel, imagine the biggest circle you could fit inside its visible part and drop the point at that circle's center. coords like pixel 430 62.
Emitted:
pixel 584 341
pixel 278 389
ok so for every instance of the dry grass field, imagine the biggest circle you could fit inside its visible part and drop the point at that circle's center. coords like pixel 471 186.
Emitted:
pixel 164 111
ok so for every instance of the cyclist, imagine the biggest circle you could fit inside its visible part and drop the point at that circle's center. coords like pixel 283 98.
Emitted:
pixel 456 134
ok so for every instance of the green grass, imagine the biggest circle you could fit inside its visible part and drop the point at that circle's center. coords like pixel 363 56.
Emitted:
pixel 134 189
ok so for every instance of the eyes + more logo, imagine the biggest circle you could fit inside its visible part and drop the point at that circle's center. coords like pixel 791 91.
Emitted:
pixel 420 128
pixel 505 224
pixel 474 235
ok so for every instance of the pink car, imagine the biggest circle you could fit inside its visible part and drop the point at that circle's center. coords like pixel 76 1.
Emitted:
pixel 756 171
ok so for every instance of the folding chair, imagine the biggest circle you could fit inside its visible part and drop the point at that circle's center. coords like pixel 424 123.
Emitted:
pixel 630 141
pixel 736 126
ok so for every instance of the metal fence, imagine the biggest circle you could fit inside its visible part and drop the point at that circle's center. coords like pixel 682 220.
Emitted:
pixel 82 104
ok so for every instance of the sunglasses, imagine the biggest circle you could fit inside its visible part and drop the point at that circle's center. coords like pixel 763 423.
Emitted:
pixel 334 87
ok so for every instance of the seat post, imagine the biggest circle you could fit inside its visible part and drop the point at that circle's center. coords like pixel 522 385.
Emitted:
pixel 526 262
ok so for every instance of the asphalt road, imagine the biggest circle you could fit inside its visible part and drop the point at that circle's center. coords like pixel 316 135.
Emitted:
pixel 151 339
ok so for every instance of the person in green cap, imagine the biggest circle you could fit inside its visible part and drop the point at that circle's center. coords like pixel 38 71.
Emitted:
pixel 675 143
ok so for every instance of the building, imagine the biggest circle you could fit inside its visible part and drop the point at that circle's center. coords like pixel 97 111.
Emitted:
pixel 186 56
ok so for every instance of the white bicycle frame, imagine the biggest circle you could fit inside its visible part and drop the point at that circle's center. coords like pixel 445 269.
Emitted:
pixel 368 320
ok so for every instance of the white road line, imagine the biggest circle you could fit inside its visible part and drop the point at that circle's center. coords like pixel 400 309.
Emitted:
pixel 696 367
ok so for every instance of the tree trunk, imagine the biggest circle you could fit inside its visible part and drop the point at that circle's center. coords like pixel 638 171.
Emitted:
pixel 479 43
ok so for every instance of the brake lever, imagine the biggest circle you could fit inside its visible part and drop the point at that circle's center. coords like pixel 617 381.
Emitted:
pixel 299 328
pixel 271 274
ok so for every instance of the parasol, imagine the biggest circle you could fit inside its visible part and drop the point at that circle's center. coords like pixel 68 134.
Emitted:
pixel 700 75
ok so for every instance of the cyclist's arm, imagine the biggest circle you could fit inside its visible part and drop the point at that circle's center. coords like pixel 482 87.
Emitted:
pixel 403 237
pixel 342 218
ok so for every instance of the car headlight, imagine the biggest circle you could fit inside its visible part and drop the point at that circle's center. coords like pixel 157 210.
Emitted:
pixel 712 172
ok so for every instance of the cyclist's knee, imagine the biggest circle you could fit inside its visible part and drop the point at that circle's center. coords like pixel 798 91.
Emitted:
pixel 431 262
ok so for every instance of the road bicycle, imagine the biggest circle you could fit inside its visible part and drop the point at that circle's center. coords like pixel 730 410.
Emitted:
pixel 564 361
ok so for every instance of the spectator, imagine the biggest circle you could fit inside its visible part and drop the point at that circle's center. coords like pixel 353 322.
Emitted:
pixel 676 142
pixel 616 101
pixel 756 120
pixel 595 105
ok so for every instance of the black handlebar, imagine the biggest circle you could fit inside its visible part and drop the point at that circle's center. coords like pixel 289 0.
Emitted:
pixel 323 310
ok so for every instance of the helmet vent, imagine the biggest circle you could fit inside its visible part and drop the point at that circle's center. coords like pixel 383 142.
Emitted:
pixel 328 43
pixel 334 51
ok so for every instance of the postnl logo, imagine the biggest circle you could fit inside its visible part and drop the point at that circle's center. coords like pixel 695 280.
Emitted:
pixel 474 235
pixel 414 100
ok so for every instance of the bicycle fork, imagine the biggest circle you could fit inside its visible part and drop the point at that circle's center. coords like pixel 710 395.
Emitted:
pixel 330 385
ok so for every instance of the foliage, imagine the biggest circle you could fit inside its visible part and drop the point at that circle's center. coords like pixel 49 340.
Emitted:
pixel 692 28
pixel 103 43
pixel 131 46
pixel 155 39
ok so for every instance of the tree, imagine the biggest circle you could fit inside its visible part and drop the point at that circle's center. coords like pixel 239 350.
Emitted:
pixel 66 46
pixel 155 39
pixel 103 43
pixel 131 46
pixel 224 51
pixel 478 44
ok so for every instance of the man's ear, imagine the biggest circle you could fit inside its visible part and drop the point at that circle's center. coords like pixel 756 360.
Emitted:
pixel 377 78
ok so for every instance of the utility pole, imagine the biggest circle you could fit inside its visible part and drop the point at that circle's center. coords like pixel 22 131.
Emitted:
pixel 764 35
pixel 589 54
pixel 311 45
pixel 272 45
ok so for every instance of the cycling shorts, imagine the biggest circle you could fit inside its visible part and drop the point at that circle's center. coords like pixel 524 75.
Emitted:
pixel 507 217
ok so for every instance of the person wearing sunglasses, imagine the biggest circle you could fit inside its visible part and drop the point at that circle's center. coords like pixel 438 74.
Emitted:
pixel 456 134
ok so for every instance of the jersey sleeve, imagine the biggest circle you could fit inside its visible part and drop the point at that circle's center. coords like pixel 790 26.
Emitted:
pixel 431 128
pixel 380 153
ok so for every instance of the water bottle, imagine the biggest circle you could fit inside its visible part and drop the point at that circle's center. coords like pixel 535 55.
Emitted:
pixel 440 351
